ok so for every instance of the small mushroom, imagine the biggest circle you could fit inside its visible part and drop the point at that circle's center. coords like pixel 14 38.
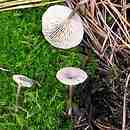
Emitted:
pixel 62 27
pixel 71 76
pixel 22 81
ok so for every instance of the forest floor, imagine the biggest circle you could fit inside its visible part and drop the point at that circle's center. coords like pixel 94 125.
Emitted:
pixel 23 50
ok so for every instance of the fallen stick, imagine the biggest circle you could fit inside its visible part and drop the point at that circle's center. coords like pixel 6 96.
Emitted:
pixel 124 104
pixel 17 2
pixel 24 4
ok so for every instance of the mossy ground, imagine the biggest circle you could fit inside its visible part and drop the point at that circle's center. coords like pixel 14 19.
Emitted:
pixel 24 50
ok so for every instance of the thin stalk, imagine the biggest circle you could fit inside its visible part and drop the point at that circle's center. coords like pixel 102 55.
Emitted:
pixel 17 97
pixel 124 104
pixel 4 69
pixel 70 100
pixel 7 71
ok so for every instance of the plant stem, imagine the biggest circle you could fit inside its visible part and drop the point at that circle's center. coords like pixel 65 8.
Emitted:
pixel 70 100
pixel 17 97
pixel 75 9
pixel 7 71
pixel 4 69
pixel 124 104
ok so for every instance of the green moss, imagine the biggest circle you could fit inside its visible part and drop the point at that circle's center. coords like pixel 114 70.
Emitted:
pixel 24 50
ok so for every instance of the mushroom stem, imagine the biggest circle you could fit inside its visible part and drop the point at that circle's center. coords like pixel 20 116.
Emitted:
pixel 75 9
pixel 70 100
pixel 17 97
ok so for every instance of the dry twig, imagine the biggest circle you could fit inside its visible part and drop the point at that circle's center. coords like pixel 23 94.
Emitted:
pixel 124 104
pixel 22 4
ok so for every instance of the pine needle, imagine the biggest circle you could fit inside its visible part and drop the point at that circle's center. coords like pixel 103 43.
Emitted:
pixel 22 4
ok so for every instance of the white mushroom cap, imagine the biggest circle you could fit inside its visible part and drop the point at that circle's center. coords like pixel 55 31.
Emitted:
pixel 71 76
pixel 23 81
pixel 72 33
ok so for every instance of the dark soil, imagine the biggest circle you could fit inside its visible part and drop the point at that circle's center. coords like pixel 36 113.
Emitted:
pixel 100 100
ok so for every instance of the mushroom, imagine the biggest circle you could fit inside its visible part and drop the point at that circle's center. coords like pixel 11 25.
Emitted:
pixel 22 81
pixel 71 76
pixel 62 27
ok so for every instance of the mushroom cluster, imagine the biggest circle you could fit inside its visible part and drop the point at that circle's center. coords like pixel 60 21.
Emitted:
pixel 62 28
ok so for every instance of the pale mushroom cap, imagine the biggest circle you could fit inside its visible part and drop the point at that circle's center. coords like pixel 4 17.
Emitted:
pixel 71 76
pixel 23 81
pixel 73 29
